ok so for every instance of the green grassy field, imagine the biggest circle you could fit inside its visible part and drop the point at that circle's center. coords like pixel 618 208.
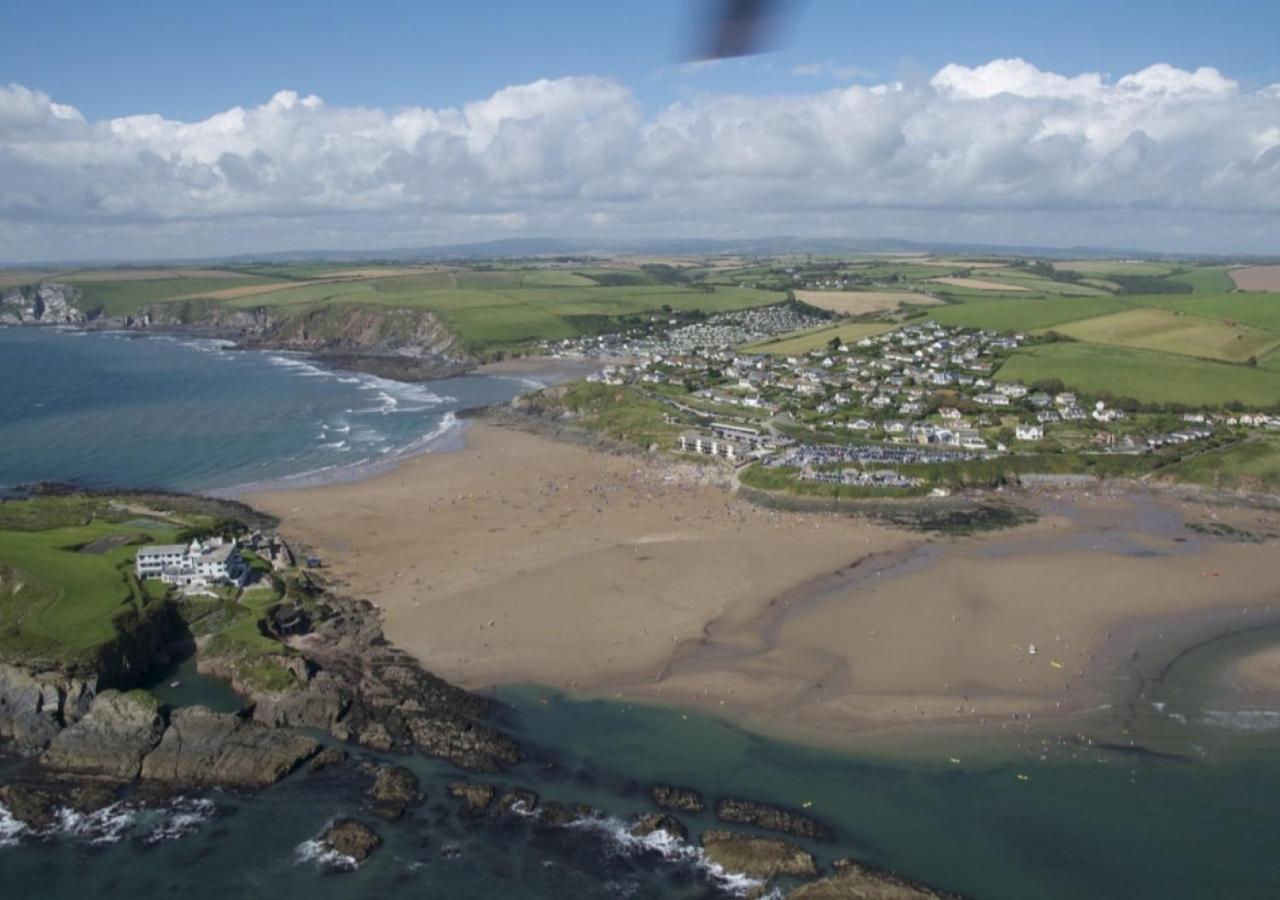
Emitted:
pixel 804 341
pixel 1207 279
pixel 1144 375
pixel 1251 465
pixel 1105 267
pixel 121 298
pixel 1171 332
pixel 58 603
pixel 1026 315
pixel 1258 310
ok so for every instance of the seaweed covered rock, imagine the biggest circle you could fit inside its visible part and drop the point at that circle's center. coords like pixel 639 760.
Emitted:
pixel 475 797
pixel 757 857
pixel 651 822
pixel 771 818
pixel 856 881
pixel 351 838
pixel 394 791
pixel 677 798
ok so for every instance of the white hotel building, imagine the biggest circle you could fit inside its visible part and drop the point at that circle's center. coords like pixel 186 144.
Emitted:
pixel 197 564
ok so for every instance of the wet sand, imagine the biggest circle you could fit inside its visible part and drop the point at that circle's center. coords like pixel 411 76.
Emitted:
pixel 523 560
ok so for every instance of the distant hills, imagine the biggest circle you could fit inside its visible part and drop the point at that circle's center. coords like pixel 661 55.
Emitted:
pixel 547 246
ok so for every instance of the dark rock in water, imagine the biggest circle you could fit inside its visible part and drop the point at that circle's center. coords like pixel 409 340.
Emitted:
pixel 856 881
pixel 526 799
pixel 32 804
pixel 651 822
pixel 677 798
pixel 556 814
pixel 111 740
pixel 770 818
pixel 326 758
pixel 394 791
pixel 586 811
pixel 757 857
pixel 36 803
pixel 475 797
pixel 202 748
pixel 351 838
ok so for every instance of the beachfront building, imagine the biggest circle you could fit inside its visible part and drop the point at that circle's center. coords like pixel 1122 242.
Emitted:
pixel 198 564
pixel 710 445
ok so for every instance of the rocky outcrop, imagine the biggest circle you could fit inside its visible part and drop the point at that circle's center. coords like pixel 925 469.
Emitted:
pixel 395 790
pixel 757 857
pixel 359 688
pixel 771 818
pixel 46 303
pixel 352 839
pixel 651 822
pixel 111 740
pixel 202 748
pixel 677 798
pixel 326 759
pixel 35 706
pixel 855 881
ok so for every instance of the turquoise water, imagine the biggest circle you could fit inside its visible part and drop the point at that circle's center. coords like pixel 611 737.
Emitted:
pixel 1198 818
pixel 114 410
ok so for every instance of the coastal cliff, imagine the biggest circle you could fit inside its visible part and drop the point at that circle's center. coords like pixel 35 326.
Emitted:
pixel 45 303
pixel 404 343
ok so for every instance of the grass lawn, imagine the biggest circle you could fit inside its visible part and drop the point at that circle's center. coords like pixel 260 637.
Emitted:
pixel 1173 332
pixel 1145 375
pixel 804 341
pixel 1259 310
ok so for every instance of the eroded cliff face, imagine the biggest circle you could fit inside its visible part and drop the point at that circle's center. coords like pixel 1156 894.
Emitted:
pixel 46 303
pixel 395 342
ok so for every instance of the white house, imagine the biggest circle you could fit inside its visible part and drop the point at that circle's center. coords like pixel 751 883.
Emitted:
pixel 1029 432
pixel 198 564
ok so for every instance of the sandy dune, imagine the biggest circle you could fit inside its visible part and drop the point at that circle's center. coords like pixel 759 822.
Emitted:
pixel 1257 278
pixel 522 560
pixel 856 303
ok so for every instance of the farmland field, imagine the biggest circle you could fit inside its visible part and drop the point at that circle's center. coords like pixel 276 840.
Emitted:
pixel 1026 315
pixel 857 303
pixel 1144 375
pixel 979 284
pixel 1207 279
pixel 1171 332
pixel 1256 309
pixel 1105 267
pixel 1257 278
pixel 803 342
pixel 120 298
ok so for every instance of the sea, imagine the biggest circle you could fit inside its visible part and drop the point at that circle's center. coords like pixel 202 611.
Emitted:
pixel 1171 791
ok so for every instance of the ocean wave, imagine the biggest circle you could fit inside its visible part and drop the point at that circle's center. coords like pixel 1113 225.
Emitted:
pixel 673 850
pixel 112 824
pixel 184 816
pixel 1243 719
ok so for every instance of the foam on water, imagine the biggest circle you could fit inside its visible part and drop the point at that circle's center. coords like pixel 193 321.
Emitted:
pixel 114 823
pixel 672 850
pixel 11 830
pixel 1243 719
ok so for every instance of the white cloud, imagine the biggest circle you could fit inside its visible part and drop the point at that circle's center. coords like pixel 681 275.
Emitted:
pixel 578 156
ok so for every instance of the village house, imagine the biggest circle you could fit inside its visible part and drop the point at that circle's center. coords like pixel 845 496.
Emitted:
pixel 1029 432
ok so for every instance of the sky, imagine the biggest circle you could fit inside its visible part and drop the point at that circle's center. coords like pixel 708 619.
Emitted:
pixel 147 130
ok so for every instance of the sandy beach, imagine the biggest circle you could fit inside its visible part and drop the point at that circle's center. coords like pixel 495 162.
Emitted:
pixel 524 560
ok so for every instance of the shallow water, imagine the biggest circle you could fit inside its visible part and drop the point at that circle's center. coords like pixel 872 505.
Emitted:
pixel 190 414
